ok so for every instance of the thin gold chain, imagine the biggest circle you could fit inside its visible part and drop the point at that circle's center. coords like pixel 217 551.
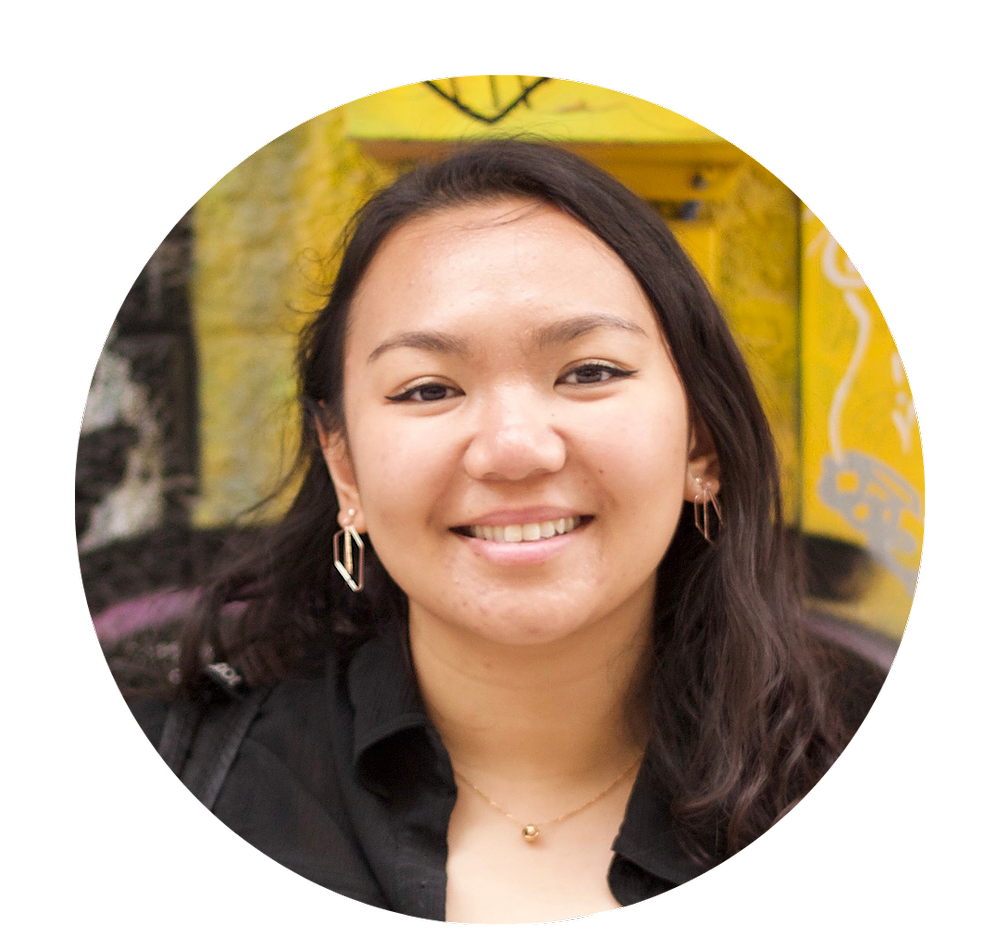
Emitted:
pixel 555 820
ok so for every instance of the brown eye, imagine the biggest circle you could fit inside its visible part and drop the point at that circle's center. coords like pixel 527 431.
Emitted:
pixel 431 392
pixel 593 374
pixel 424 393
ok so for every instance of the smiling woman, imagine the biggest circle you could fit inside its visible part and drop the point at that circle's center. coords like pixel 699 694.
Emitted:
pixel 504 605
pixel 502 350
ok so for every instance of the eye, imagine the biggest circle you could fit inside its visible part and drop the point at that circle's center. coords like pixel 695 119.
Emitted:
pixel 593 372
pixel 424 394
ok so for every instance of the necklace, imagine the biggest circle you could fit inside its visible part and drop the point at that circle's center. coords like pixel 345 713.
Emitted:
pixel 530 832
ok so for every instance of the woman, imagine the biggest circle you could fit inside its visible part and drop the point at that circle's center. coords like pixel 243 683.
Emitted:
pixel 528 643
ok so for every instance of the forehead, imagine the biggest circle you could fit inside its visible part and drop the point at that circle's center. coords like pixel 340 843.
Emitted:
pixel 518 223
pixel 516 255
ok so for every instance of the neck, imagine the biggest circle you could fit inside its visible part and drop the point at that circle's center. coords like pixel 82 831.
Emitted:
pixel 544 712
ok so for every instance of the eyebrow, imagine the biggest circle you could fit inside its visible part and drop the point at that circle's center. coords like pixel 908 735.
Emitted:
pixel 436 341
pixel 572 328
pixel 544 336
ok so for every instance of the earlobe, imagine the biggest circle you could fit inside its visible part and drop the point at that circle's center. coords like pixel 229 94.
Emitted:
pixel 341 468
pixel 698 485
pixel 703 464
pixel 702 484
pixel 707 497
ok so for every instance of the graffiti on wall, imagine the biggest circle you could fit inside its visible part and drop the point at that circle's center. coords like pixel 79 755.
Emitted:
pixel 867 467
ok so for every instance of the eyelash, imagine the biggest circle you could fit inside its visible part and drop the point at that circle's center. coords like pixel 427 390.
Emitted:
pixel 410 394
pixel 609 369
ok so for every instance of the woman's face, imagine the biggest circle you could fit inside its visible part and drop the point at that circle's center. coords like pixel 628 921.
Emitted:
pixel 518 443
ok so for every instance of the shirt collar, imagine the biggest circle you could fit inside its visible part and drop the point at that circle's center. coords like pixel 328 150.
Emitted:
pixel 386 703
pixel 389 718
pixel 647 835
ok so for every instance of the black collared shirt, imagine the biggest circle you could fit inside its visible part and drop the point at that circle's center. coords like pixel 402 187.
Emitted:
pixel 343 779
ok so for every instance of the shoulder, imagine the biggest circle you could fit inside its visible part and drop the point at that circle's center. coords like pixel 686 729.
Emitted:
pixel 154 709
pixel 275 764
pixel 225 741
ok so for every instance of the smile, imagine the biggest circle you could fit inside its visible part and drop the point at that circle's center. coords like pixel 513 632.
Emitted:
pixel 531 531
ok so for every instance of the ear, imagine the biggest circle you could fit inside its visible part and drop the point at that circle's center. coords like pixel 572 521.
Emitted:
pixel 703 462
pixel 341 469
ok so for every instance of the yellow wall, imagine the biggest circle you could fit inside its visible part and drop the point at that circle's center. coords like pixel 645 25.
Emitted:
pixel 863 468
pixel 263 242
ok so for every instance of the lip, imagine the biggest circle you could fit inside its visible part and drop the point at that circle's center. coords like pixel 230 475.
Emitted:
pixel 521 553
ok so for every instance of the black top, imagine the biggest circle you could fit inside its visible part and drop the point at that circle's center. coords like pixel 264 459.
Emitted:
pixel 343 779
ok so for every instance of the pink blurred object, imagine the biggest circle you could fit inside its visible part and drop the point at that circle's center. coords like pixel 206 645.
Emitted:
pixel 122 619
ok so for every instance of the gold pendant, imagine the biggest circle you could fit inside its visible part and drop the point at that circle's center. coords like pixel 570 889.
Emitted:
pixel 530 833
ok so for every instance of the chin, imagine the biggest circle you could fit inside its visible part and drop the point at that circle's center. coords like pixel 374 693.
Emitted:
pixel 527 629
pixel 527 636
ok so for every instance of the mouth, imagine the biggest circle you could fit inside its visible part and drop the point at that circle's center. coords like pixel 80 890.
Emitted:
pixel 527 532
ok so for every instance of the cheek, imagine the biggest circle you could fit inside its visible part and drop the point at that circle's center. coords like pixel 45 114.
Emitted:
pixel 646 444
pixel 400 472
pixel 645 471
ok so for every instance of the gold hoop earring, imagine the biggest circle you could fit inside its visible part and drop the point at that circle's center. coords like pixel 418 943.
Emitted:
pixel 705 498
pixel 349 554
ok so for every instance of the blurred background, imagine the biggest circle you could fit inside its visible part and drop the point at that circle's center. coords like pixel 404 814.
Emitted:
pixel 190 419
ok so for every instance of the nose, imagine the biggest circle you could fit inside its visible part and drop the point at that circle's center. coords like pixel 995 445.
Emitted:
pixel 514 439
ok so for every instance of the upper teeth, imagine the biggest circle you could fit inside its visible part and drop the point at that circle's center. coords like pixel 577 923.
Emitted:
pixel 530 532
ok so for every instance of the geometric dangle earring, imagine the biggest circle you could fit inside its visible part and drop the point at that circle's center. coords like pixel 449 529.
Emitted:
pixel 701 503
pixel 349 554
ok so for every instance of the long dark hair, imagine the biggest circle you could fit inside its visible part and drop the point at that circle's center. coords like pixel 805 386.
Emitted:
pixel 742 723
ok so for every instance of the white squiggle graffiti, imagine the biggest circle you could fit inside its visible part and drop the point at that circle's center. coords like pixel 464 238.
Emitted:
pixel 863 318
pixel 903 415
pixel 846 278
pixel 870 495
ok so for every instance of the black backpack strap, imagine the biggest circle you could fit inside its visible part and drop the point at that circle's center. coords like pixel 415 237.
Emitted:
pixel 200 741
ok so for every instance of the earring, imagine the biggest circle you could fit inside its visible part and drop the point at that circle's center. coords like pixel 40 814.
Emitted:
pixel 705 497
pixel 349 554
